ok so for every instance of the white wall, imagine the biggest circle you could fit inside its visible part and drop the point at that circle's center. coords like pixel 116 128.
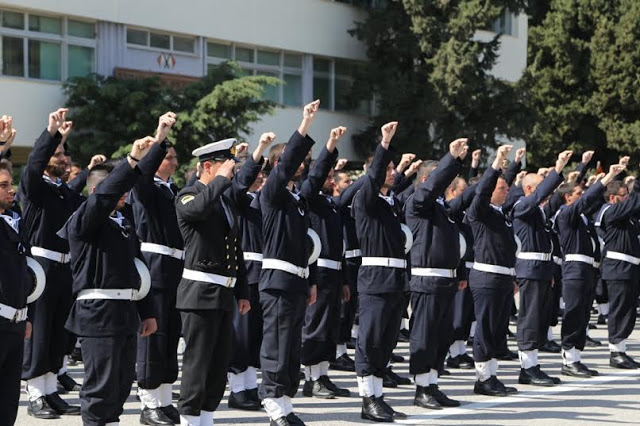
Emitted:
pixel 283 24
pixel 512 54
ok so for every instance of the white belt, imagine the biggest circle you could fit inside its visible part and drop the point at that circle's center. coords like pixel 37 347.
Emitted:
pixel 434 272
pixel 596 264
pixel 256 257
pixel 108 294
pixel 391 262
pixel 624 257
pixel 557 260
pixel 285 266
pixel 544 257
pixel 349 254
pixel 579 258
pixel 164 250
pixel 206 277
pixel 495 269
pixel 330 264
pixel 13 314
pixel 468 265
pixel 50 254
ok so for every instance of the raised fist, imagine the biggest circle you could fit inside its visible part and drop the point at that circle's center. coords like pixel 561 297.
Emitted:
pixel 6 123
pixel 267 138
pixel 97 159
pixel 309 111
pixel 165 122
pixel 456 147
pixel 520 153
pixel 388 131
pixel 56 119
pixel 342 162
pixel 587 156
pixel 337 133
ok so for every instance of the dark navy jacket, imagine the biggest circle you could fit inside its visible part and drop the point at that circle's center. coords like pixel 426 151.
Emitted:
pixel 14 287
pixel 493 239
pixel 617 226
pixel 285 220
pixel 530 226
pixel 378 228
pixel 102 253
pixel 435 233
pixel 575 235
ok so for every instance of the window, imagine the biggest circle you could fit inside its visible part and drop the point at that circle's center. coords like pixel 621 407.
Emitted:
pixel 332 83
pixel 507 24
pixel 285 66
pixel 161 41
pixel 46 47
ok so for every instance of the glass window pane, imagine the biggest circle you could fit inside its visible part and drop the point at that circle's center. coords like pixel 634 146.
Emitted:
pixel 342 91
pixel 270 92
pixel 184 44
pixel 244 54
pixel 217 50
pixel 45 24
pixel 344 68
pixel 137 37
pixel 161 41
pixel 322 65
pixel 80 61
pixel 13 56
pixel 44 60
pixel 268 58
pixel 13 20
pixel 322 91
pixel 292 90
pixel 292 61
pixel 81 29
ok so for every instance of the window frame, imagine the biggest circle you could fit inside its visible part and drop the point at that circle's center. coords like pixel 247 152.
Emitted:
pixel 196 42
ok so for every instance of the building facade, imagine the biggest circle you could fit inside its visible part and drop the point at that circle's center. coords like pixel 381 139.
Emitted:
pixel 305 43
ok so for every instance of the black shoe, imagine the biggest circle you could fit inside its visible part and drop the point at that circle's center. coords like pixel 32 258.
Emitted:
pixel 68 383
pixel 510 335
pixel 622 360
pixel 591 326
pixel 551 347
pixel 351 344
pixel 602 319
pixel 373 410
pixel 443 372
pixel 172 413
pixel 577 369
pixel 40 409
pixel 75 356
pixel 489 387
pixel 592 343
pixel 175 396
pixel 281 421
pixel 396 358
pixel 294 420
pixel 388 382
pixel 154 416
pixel 343 363
pixel 513 320
pixel 534 376
pixel 61 406
pixel 508 389
pixel 396 378
pixel 301 375
pixel 425 399
pixel 252 394
pixel 241 401
pixel 464 362
pixel 317 388
pixel 470 342
pixel 441 398
pixel 397 415
pixel 403 335
pixel 509 355
pixel 326 381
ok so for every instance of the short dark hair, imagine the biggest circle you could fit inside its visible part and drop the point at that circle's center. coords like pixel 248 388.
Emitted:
pixel 566 188
pixel 339 175
pixel 454 183
pixel 425 169
pixel 6 165
pixel 98 173
pixel 275 152
pixel 613 188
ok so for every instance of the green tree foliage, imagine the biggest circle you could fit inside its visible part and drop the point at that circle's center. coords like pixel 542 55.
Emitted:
pixel 109 113
pixel 430 73
pixel 582 86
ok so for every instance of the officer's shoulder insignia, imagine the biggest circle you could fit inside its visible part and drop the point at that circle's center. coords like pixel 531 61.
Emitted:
pixel 187 198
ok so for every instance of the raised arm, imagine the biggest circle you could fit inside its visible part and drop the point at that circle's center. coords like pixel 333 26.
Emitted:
pixel 376 173
pixel 514 168
pixel 320 170
pixel 484 189
pixel 475 163
pixel 248 173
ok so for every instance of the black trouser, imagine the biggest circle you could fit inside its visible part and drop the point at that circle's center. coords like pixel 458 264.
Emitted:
pixel 492 306
pixel 380 316
pixel 431 328
pixel 577 304
pixel 11 351
pixel 602 295
pixel 157 360
pixel 283 315
pixel 246 336
pixel 207 334
pixel 109 370
pixel 349 310
pixel 45 350
pixel 623 299
pixel 532 327
pixel 322 323
pixel 463 314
